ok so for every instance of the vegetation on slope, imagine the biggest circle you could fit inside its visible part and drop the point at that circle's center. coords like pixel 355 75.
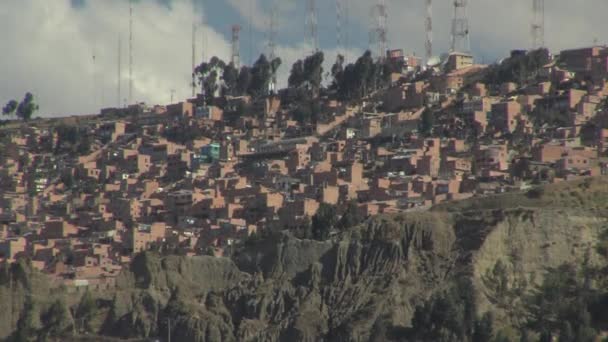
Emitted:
pixel 515 267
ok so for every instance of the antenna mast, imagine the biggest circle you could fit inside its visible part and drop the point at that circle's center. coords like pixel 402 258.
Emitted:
pixel 130 51
pixel 538 24
pixel 379 28
pixel 346 28
pixel 236 50
pixel 193 85
pixel 119 79
pixel 311 23
pixel 272 32
pixel 339 14
pixel 460 28
pixel 95 90
pixel 251 57
pixel 429 29
pixel 272 36
pixel 204 32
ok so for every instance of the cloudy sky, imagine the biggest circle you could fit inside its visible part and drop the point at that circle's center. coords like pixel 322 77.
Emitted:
pixel 66 51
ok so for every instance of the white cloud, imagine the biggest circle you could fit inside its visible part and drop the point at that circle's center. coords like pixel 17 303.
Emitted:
pixel 50 47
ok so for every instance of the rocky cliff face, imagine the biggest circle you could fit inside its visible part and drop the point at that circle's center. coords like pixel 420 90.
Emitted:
pixel 362 285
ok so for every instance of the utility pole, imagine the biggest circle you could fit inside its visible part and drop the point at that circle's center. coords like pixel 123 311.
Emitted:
pixel 538 24
pixel 379 28
pixel 460 28
pixel 172 95
pixel 429 29
pixel 236 47
pixel 311 23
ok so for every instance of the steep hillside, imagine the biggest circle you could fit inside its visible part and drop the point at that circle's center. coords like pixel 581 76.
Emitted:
pixel 378 281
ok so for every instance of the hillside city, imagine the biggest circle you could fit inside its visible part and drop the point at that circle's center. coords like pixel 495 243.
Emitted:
pixel 81 195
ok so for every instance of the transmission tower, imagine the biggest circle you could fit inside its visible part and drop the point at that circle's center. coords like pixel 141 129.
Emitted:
pixel 379 29
pixel 460 28
pixel 130 51
pixel 193 84
pixel 429 29
pixel 236 48
pixel 538 24
pixel 311 23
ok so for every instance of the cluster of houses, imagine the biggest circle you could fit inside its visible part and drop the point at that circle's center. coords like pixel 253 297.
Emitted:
pixel 184 179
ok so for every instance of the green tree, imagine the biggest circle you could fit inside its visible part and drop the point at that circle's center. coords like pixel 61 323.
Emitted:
pixel 313 66
pixel 57 321
pixel 10 107
pixel 24 109
pixel 27 107
pixel 230 76
pixel 262 73
pixel 208 74
pixel 86 311
pixel 296 76
pixel 483 329
pixel 337 72
pixel 29 322
pixel 448 316
pixel 308 74
pixel 323 221
pixel 563 297
pixel 303 113
pixel 427 121
pixel 244 80
pixel 351 216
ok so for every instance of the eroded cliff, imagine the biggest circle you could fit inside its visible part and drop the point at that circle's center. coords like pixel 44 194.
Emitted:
pixel 363 284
